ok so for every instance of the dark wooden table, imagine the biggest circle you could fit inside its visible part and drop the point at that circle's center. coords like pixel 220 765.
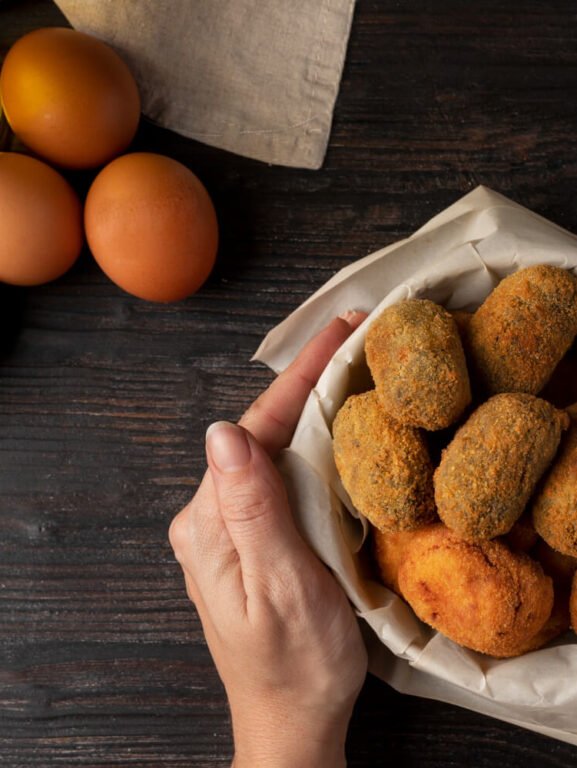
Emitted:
pixel 104 399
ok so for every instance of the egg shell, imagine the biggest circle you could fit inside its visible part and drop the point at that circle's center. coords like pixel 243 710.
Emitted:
pixel 40 221
pixel 151 226
pixel 69 97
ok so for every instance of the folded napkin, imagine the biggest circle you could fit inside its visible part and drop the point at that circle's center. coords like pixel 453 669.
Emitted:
pixel 256 78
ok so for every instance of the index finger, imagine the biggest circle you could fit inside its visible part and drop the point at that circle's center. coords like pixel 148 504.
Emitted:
pixel 273 416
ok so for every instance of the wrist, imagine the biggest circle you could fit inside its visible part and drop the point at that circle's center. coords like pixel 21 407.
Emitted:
pixel 284 740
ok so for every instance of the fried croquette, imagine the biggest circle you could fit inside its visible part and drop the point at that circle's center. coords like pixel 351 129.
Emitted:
pixel 389 549
pixel 573 603
pixel 554 507
pixel 522 330
pixel 384 465
pixel 522 536
pixel 482 595
pixel 561 389
pixel 555 564
pixel 490 469
pixel 462 320
pixel 557 623
pixel 416 358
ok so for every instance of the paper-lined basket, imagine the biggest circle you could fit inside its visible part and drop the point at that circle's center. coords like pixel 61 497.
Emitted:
pixel 456 259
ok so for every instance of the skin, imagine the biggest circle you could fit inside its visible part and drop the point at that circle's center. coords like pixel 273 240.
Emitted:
pixel 383 465
pixel 522 330
pixel 490 469
pixel 416 358
pixel 283 636
pixel 482 596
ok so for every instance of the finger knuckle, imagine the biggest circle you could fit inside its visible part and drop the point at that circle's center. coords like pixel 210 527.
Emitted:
pixel 243 507
pixel 179 534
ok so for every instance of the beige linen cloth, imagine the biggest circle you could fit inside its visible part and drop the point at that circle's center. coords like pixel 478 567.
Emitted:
pixel 256 78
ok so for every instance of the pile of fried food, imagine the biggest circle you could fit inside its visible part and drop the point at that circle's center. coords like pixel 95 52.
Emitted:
pixel 481 542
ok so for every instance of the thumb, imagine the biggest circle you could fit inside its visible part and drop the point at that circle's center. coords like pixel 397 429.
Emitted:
pixel 252 498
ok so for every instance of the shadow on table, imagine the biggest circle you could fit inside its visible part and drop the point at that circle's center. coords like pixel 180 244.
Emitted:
pixel 12 301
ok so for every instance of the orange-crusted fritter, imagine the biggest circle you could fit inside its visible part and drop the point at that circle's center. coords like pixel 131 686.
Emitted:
pixel 573 603
pixel 557 623
pixel 389 549
pixel 490 469
pixel 523 328
pixel 462 320
pixel 554 507
pixel 522 536
pixel 383 465
pixel 482 596
pixel 415 355
pixel 555 564
pixel 561 389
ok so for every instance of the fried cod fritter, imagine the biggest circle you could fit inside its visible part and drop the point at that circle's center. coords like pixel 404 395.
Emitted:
pixel 522 536
pixel 557 623
pixel 389 550
pixel 462 320
pixel 482 595
pixel 384 465
pixel 561 389
pixel 555 564
pixel 416 358
pixel 523 328
pixel 554 507
pixel 573 603
pixel 490 469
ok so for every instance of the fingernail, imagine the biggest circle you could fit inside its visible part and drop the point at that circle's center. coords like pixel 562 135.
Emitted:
pixel 351 317
pixel 227 446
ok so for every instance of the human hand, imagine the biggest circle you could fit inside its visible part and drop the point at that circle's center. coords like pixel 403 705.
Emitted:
pixel 281 631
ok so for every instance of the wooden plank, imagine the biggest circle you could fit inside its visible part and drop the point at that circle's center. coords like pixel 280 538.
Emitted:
pixel 104 399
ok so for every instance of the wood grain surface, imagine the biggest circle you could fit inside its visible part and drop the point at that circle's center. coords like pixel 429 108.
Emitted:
pixel 104 399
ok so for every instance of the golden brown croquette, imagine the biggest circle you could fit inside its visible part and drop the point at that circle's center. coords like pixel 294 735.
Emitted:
pixel 523 328
pixel 482 595
pixel 554 507
pixel 416 358
pixel 389 549
pixel 490 469
pixel 383 465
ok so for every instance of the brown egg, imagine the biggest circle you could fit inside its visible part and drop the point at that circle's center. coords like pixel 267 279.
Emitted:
pixel 69 97
pixel 151 226
pixel 40 221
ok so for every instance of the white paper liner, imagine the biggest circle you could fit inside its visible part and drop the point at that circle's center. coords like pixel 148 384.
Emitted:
pixel 455 259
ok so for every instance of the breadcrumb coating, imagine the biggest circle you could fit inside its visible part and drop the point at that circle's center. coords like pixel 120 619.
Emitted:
pixel 554 507
pixel 523 328
pixel 490 469
pixel 561 389
pixel 573 603
pixel 384 465
pixel 557 623
pixel 462 320
pixel 482 595
pixel 416 358
pixel 555 564
pixel 389 549
pixel 522 536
